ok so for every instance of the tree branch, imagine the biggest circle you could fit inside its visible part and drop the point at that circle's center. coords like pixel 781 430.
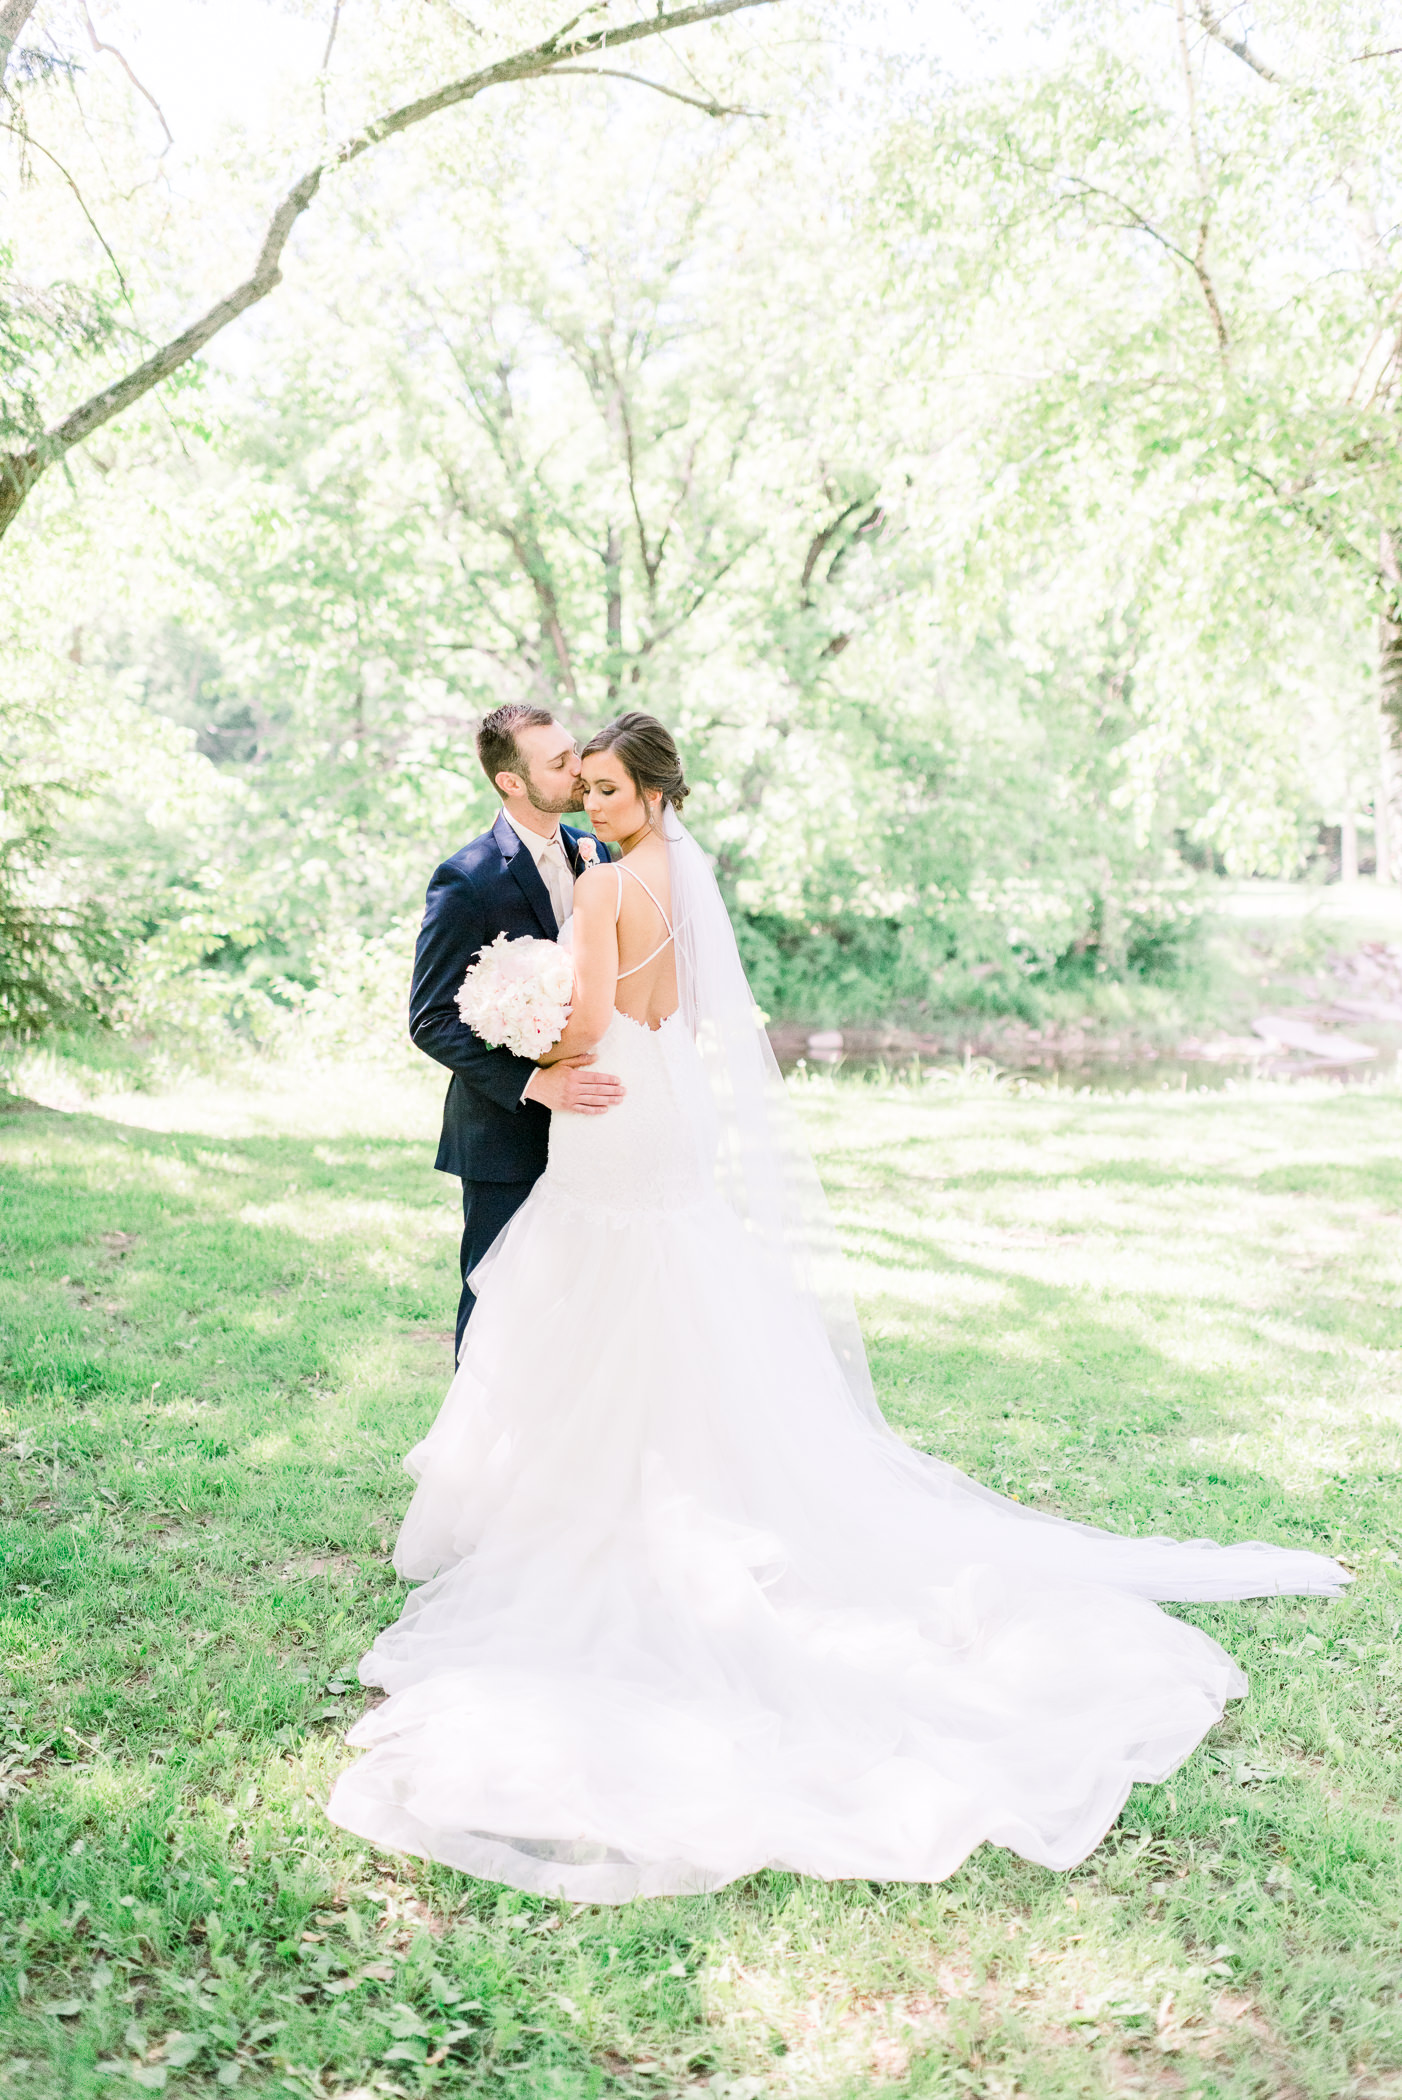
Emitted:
pixel 1321 526
pixel 541 59
pixel 1212 23
pixel 20 471
pixel 1141 224
pixel 266 274
pixel 698 598
pixel 331 36
pixel 712 109
pixel 113 52
pixel 1204 194
pixel 101 239
pixel 870 527
pixel 326 58
pixel 536 569
pixel 820 541
pixel 1388 324
pixel 649 559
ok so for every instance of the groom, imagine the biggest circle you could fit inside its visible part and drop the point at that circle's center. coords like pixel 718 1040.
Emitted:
pixel 518 878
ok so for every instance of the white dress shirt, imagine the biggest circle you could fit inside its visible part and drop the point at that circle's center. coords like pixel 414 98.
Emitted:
pixel 549 857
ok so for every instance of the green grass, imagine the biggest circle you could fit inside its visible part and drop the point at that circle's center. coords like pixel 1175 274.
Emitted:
pixel 225 1319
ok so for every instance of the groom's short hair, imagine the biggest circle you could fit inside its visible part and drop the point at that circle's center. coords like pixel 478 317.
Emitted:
pixel 497 748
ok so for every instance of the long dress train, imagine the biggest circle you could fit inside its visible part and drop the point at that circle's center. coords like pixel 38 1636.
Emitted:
pixel 686 1613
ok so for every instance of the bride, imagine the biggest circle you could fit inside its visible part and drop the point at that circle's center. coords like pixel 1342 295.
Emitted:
pixel 688 1608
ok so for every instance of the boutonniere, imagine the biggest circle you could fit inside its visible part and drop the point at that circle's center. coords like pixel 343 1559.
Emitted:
pixel 588 850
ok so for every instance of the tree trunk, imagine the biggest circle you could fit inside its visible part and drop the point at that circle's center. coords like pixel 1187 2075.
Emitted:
pixel 13 16
pixel 613 608
pixel 1348 846
pixel 1387 835
pixel 18 473
pixel 1389 674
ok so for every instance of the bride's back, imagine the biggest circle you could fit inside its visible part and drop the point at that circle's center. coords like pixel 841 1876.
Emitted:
pixel 647 967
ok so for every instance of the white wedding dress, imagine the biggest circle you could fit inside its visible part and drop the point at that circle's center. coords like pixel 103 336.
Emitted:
pixel 687 1612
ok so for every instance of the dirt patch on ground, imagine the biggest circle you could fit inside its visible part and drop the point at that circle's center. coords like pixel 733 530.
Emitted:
pixel 306 1567
pixel 440 1340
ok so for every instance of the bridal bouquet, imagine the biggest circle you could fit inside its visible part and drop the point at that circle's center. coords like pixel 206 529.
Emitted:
pixel 517 994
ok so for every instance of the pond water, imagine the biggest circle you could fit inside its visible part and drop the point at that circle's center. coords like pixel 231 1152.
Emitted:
pixel 1097 1075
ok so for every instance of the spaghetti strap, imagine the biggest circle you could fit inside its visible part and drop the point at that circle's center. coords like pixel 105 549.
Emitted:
pixel 620 870
pixel 623 870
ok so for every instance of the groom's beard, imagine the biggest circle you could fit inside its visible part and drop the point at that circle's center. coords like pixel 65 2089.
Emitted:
pixel 549 808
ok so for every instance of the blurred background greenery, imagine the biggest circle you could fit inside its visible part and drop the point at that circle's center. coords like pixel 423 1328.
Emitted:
pixel 984 455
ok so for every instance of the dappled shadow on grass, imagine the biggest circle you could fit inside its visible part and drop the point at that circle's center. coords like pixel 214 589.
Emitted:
pixel 202 1409
pixel 195 1398
pixel 214 1361
pixel 1377 1181
pixel 175 1241
pixel 1215 1344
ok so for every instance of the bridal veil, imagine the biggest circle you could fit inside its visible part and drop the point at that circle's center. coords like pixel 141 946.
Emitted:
pixel 763 1164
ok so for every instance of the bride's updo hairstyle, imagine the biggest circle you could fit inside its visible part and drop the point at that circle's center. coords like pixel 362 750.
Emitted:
pixel 644 748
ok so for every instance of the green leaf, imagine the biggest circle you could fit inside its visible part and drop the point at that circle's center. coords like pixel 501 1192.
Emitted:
pixel 182 2049
pixel 405 2021
pixel 412 2050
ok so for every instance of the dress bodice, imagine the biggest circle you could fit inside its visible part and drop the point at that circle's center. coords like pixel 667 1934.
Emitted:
pixel 656 1149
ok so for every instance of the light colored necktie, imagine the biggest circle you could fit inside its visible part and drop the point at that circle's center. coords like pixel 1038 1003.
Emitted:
pixel 555 873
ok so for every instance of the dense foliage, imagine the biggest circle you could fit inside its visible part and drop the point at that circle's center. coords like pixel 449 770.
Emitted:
pixel 1002 513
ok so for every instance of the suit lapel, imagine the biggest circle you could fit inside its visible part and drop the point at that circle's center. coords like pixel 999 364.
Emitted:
pixel 572 853
pixel 526 874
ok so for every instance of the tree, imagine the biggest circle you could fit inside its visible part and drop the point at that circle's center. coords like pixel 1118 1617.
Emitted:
pixel 531 468
pixel 560 53
pixel 901 499
pixel 627 445
pixel 1192 252
pixel 60 956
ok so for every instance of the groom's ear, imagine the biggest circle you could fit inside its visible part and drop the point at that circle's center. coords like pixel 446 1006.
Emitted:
pixel 507 784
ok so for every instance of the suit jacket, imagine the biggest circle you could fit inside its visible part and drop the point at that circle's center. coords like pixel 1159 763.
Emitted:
pixel 491 886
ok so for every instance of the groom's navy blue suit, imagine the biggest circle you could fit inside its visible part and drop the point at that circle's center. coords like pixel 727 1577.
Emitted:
pixel 491 1137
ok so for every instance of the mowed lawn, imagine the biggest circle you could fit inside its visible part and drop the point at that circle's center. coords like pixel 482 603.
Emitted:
pixel 1175 1314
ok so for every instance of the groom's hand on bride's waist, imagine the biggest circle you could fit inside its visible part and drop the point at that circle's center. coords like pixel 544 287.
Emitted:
pixel 570 1086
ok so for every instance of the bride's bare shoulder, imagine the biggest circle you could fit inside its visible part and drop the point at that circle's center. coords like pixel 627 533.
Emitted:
pixel 596 887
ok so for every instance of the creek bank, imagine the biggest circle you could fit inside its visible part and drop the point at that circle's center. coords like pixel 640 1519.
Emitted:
pixel 1343 1022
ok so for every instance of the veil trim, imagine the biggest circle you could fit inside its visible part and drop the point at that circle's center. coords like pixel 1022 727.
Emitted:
pixel 764 1167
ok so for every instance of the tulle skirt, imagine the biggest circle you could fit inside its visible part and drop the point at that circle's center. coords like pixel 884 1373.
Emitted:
pixel 684 1613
